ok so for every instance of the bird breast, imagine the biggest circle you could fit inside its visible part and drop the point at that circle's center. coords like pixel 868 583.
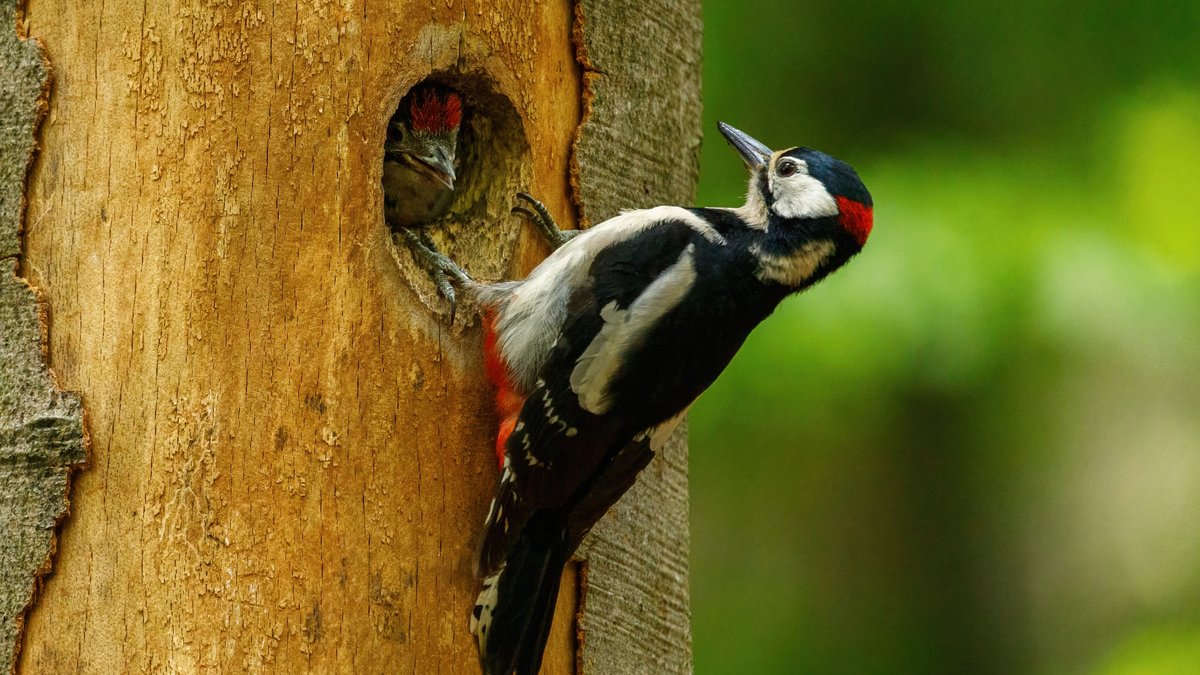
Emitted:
pixel 412 199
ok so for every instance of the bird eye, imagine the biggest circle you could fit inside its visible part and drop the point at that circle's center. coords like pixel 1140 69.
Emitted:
pixel 786 168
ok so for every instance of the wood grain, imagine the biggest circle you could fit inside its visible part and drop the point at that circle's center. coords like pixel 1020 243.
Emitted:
pixel 290 449
pixel 639 146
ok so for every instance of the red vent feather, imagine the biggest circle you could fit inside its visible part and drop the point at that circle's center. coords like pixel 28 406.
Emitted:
pixel 508 401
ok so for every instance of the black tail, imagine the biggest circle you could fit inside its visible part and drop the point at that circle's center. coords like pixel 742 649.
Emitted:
pixel 513 613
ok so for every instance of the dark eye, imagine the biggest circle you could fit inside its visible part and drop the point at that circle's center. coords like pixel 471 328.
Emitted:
pixel 787 168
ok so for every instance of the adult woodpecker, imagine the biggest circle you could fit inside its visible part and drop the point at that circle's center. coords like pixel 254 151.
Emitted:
pixel 419 173
pixel 598 353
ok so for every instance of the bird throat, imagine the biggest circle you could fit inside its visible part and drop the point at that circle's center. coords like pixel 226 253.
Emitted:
pixel 413 192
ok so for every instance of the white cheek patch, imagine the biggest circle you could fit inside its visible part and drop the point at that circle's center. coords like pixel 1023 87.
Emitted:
pixel 791 269
pixel 801 196
pixel 624 329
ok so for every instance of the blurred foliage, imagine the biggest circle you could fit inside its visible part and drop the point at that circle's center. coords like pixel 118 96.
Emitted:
pixel 976 449
pixel 1157 651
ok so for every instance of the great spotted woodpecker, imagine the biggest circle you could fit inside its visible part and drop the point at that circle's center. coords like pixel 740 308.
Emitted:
pixel 419 171
pixel 598 353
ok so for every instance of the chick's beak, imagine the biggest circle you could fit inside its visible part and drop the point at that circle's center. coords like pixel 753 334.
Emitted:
pixel 441 167
pixel 755 154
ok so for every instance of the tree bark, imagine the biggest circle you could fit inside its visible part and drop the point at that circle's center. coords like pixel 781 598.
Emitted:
pixel 41 428
pixel 290 446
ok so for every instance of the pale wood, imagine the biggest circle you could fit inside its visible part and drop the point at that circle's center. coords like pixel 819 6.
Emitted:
pixel 290 453
pixel 41 428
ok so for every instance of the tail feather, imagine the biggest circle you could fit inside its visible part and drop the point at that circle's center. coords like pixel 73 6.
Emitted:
pixel 514 611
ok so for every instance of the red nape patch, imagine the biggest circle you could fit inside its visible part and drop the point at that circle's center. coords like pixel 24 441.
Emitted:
pixel 435 114
pixel 857 218
pixel 508 401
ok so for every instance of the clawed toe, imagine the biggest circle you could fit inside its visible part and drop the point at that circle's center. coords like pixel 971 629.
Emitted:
pixel 539 215
pixel 445 272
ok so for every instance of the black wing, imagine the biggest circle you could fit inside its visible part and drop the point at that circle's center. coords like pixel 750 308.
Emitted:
pixel 561 460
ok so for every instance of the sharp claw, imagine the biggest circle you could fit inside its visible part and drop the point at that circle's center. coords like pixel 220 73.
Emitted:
pixel 540 216
pixel 440 267
pixel 541 209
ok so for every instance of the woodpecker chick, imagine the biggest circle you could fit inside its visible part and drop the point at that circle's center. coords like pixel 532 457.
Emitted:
pixel 598 353
pixel 419 172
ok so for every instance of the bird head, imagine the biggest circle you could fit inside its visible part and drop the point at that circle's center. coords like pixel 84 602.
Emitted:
pixel 424 136
pixel 802 183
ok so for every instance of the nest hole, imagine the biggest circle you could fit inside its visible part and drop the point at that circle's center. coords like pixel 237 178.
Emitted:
pixel 492 163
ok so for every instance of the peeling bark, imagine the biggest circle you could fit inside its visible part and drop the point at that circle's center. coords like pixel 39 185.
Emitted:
pixel 41 428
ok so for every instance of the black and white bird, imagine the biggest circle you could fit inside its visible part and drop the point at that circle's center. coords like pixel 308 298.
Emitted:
pixel 598 353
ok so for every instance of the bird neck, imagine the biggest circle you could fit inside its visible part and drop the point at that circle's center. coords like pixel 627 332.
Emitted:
pixel 795 253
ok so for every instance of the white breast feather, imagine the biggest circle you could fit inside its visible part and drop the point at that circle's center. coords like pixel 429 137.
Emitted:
pixel 624 328
pixel 530 321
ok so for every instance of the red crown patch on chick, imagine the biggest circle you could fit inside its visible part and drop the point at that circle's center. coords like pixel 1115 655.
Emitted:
pixel 434 113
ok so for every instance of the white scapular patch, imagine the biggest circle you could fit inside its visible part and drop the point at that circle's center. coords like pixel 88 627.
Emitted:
pixel 801 196
pixel 533 315
pixel 623 329
pixel 791 269
pixel 696 223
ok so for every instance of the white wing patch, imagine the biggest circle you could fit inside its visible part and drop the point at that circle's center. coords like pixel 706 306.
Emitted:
pixel 791 269
pixel 695 222
pixel 623 329
pixel 530 322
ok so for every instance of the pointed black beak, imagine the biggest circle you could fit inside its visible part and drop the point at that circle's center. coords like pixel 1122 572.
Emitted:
pixel 755 154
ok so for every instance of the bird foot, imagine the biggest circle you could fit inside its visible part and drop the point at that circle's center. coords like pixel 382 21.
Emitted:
pixel 537 213
pixel 445 272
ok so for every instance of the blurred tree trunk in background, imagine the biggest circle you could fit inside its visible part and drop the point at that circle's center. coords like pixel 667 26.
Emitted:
pixel 290 448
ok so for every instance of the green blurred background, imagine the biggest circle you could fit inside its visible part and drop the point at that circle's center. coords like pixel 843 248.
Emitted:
pixel 977 448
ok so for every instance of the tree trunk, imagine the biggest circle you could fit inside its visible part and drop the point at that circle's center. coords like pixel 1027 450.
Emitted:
pixel 290 446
